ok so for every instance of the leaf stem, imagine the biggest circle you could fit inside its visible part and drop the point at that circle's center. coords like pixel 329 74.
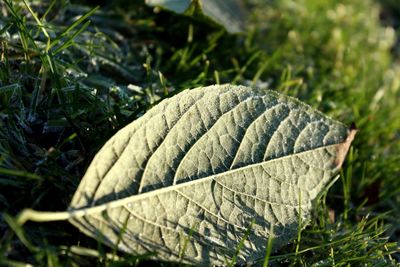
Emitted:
pixel 42 216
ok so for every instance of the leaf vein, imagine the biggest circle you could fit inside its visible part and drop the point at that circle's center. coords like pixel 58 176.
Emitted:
pixel 205 133
pixel 249 126
pixel 255 197
pixel 208 211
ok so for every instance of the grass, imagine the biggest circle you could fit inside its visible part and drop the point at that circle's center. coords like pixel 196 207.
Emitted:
pixel 72 74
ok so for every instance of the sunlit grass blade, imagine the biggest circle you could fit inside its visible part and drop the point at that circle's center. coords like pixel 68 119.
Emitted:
pixel 75 24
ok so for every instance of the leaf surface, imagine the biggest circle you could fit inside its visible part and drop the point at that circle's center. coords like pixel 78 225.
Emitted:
pixel 197 172
pixel 228 13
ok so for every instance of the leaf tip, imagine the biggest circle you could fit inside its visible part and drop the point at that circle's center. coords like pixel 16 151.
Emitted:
pixel 343 148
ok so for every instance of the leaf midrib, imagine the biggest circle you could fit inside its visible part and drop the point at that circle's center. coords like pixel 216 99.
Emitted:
pixel 120 202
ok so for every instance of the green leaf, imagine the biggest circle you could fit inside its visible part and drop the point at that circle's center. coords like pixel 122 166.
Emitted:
pixel 228 13
pixel 209 171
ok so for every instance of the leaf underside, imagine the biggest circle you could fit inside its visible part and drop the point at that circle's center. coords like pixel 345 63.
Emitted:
pixel 189 178
pixel 227 13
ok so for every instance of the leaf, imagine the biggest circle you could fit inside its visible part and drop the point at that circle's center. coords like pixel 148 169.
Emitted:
pixel 208 176
pixel 228 13
pixel 198 169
